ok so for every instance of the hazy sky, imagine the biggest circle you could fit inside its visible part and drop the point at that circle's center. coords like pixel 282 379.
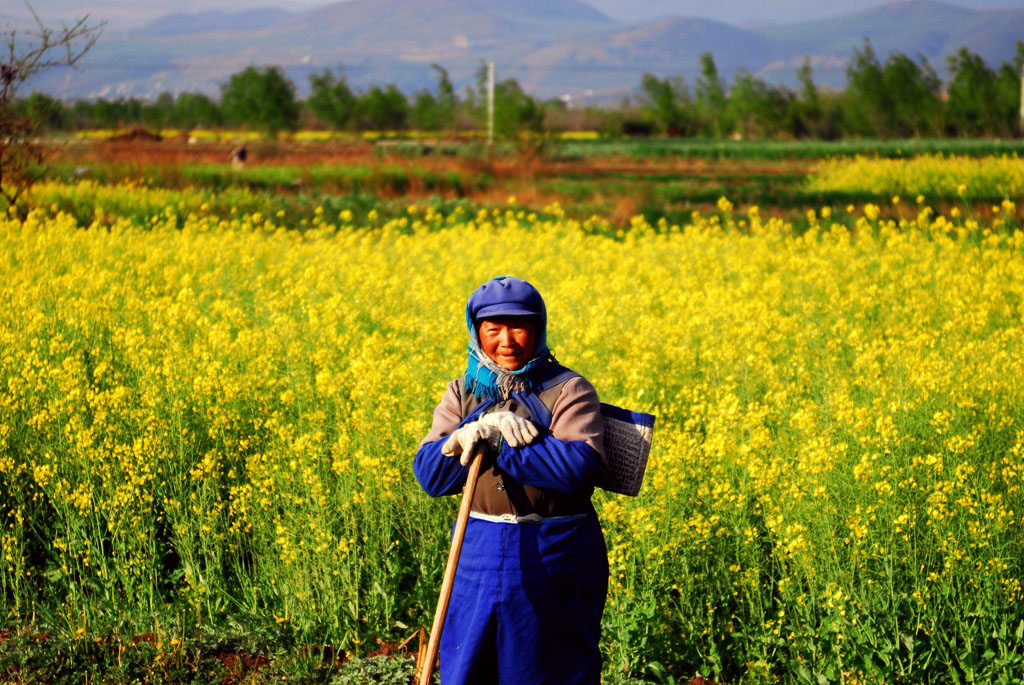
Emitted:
pixel 119 13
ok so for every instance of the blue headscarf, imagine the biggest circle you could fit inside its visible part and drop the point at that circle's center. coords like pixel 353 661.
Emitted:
pixel 504 296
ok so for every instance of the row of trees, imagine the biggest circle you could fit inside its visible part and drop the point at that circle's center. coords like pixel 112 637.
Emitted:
pixel 896 99
pixel 265 99
pixel 901 97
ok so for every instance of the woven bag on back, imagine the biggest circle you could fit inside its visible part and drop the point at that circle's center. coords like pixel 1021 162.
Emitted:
pixel 627 444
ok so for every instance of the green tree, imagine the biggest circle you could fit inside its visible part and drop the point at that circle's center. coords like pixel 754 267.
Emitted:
pixel 435 113
pixel 668 102
pixel 711 96
pixel 515 112
pixel 1008 89
pixel 915 108
pixel 808 88
pixel 424 114
pixel 89 115
pixel 866 103
pixel 111 113
pixel 972 92
pixel 132 110
pixel 447 101
pixel 48 113
pixel 812 113
pixel 160 113
pixel 899 99
pixel 382 109
pixel 331 99
pixel 192 110
pixel 757 108
pixel 261 98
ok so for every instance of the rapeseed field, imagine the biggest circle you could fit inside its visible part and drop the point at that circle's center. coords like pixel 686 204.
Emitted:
pixel 207 418
pixel 933 175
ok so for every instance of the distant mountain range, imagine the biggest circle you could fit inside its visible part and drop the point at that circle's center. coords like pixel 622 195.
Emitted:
pixel 751 12
pixel 552 47
pixel 185 24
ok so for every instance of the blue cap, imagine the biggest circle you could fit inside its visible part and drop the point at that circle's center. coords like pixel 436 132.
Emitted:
pixel 505 296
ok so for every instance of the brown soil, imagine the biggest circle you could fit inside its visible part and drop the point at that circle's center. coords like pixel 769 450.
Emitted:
pixel 138 147
pixel 239 666
pixel 136 135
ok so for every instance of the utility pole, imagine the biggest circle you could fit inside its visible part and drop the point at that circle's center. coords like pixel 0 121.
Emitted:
pixel 490 105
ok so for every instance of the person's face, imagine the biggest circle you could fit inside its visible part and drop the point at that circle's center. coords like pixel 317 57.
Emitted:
pixel 510 341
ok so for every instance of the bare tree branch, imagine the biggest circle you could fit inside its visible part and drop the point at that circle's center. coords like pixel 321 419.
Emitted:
pixel 45 48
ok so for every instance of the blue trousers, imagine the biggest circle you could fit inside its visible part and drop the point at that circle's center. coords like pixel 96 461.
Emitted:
pixel 526 605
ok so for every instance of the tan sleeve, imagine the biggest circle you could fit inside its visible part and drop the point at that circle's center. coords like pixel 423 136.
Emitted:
pixel 447 414
pixel 576 414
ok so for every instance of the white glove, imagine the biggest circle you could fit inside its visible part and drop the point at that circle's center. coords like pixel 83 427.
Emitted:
pixel 462 441
pixel 516 430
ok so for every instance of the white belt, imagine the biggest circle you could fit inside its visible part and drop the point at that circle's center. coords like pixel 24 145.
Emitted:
pixel 529 518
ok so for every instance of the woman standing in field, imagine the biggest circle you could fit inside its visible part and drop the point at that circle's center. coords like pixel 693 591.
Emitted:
pixel 533 575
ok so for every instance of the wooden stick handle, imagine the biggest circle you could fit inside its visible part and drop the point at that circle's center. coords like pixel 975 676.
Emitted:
pixel 453 562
